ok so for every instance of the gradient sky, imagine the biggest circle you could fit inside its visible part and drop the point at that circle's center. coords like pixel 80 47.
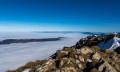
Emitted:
pixel 60 15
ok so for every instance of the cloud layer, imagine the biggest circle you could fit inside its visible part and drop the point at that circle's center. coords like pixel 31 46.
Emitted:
pixel 17 54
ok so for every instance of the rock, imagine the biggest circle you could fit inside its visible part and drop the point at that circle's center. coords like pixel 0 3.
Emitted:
pixel 81 58
pixel 116 66
pixel 58 71
pixel 69 69
pixel 86 50
pixel 117 50
pixel 80 66
pixel 62 62
pixel 89 60
pixel 96 56
pixel 106 67
pixel 77 61
pixel 46 66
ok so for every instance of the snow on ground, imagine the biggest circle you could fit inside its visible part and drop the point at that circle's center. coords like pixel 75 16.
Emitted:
pixel 111 44
pixel 17 54
pixel 27 70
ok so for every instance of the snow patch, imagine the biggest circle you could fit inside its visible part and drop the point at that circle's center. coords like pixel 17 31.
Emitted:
pixel 27 70
pixel 111 44
pixel 96 35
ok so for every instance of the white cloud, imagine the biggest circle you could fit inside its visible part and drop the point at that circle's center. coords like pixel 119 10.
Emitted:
pixel 17 54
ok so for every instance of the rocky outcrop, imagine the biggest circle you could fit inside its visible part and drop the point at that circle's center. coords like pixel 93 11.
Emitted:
pixel 117 50
pixel 89 41
pixel 82 57
pixel 85 59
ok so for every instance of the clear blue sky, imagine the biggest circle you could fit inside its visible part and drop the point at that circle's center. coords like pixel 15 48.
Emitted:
pixel 60 15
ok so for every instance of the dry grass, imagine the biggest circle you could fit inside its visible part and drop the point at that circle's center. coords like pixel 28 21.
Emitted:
pixel 69 49
pixel 28 65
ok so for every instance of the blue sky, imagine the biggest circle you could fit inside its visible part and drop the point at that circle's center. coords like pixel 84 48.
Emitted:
pixel 60 15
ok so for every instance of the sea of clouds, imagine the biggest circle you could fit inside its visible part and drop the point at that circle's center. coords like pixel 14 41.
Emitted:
pixel 17 54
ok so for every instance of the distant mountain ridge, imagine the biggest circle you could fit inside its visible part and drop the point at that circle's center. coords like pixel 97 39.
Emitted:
pixel 9 41
pixel 89 33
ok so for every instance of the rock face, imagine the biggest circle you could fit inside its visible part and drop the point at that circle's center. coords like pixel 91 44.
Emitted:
pixel 117 50
pixel 83 57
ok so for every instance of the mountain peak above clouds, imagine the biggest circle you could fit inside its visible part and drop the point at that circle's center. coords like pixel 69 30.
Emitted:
pixel 91 54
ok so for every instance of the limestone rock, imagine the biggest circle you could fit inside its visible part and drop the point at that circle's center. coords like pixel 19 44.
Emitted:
pixel 106 67
pixel 96 56
pixel 86 50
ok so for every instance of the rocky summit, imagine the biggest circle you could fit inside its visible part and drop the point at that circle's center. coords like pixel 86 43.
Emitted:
pixel 85 56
